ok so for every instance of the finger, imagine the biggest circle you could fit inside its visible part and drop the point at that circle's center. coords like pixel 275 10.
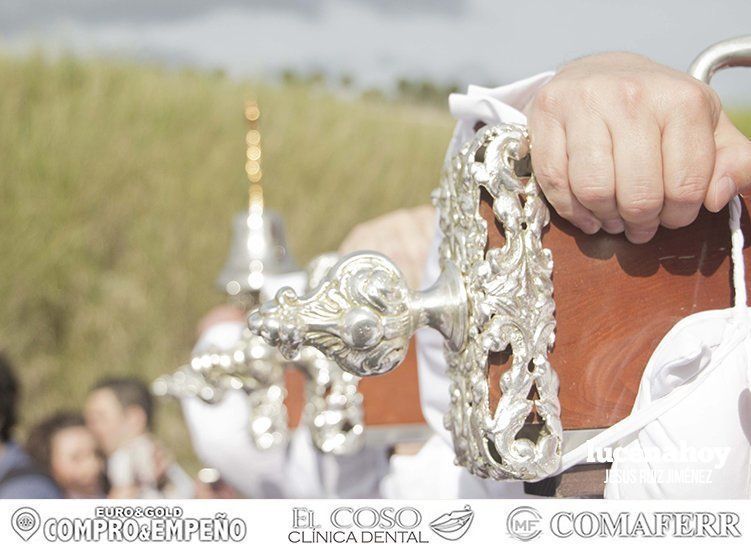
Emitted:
pixel 688 156
pixel 550 164
pixel 732 168
pixel 638 175
pixel 590 168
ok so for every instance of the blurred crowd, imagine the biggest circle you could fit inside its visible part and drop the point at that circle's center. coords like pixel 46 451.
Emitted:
pixel 106 451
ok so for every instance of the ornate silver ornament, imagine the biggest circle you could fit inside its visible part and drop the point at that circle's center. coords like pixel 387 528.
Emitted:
pixel 185 382
pixel 333 409
pixel 258 250
pixel 363 314
pixel 257 369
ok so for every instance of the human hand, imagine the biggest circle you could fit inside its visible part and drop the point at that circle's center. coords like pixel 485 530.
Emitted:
pixel 620 142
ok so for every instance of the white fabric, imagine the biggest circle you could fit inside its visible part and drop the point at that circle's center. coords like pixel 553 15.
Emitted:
pixel 134 465
pixel 432 473
pixel 219 432
pixel 693 398
pixel 693 407
pixel 297 280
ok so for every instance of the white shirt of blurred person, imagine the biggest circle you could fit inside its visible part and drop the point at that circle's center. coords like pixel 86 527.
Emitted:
pixel 66 449
pixel 119 412
pixel 298 470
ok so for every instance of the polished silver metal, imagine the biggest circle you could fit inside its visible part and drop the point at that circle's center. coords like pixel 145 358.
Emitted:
pixel 725 54
pixel 258 250
pixel 256 369
pixel 511 307
pixel 363 314
pixel 183 383
pixel 252 367
pixel 333 410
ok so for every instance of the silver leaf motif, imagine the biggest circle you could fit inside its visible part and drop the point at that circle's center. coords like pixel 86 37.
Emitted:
pixel 511 304
pixel 359 315
pixel 362 314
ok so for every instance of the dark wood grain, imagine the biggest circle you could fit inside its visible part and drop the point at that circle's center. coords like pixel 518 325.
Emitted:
pixel 616 300
pixel 390 399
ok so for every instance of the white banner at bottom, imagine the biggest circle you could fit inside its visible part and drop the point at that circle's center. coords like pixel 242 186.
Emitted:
pixel 372 521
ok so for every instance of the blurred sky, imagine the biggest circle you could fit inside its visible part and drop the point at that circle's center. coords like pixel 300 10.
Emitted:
pixel 378 41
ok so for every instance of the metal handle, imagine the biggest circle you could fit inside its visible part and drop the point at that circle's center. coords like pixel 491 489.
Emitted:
pixel 363 314
pixel 725 54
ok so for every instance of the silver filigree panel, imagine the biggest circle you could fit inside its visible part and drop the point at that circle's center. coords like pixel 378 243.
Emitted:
pixel 510 300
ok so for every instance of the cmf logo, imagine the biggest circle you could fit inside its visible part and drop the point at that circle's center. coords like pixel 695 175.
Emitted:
pixel 523 523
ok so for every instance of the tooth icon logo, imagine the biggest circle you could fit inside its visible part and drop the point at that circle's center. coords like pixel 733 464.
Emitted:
pixel 25 522
pixel 454 525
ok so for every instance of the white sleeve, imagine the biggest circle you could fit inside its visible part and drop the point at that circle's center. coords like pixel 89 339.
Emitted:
pixel 219 432
pixel 491 106
pixel 221 336
pixel 478 104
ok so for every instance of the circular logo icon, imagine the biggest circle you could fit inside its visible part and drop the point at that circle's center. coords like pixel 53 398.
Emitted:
pixel 524 523
pixel 25 522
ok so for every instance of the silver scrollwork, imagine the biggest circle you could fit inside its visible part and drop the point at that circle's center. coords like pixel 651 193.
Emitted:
pixel 511 296
pixel 333 409
pixel 486 300
pixel 362 314
pixel 257 369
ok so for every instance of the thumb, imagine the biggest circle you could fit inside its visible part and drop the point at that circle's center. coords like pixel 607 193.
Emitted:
pixel 732 169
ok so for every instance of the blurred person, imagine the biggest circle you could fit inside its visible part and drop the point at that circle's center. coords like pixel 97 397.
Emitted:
pixel 67 450
pixel 120 413
pixel 403 235
pixel 20 478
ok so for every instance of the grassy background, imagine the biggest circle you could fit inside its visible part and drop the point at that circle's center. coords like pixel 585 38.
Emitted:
pixel 118 183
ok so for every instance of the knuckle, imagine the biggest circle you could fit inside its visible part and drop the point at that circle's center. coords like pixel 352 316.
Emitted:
pixel 551 177
pixel 690 190
pixel 549 98
pixel 640 208
pixel 590 93
pixel 631 93
pixel 591 193
pixel 692 96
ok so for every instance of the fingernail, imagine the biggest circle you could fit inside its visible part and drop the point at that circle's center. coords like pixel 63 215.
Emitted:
pixel 590 227
pixel 613 226
pixel 640 236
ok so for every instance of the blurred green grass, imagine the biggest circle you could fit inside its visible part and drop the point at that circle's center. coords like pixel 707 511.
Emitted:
pixel 118 183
